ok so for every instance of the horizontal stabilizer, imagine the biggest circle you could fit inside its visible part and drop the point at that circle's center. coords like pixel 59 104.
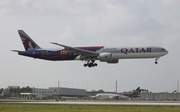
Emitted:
pixel 22 52
pixel 16 51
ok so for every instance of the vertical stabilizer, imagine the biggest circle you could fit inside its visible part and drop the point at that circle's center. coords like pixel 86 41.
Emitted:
pixel 28 43
pixel 137 91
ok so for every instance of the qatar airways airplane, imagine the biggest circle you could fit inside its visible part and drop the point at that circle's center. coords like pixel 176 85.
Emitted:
pixel 88 54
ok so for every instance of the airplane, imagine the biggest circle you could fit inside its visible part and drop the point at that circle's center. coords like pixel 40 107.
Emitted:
pixel 88 54
pixel 134 93
pixel 125 95
pixel 107 96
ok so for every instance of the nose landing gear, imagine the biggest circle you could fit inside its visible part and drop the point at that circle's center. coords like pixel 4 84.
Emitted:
pixel 156 61
pixel 90 63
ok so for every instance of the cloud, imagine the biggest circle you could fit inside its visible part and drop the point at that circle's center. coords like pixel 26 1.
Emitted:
pixel 3 7
pixel 109 19
pixel 170 3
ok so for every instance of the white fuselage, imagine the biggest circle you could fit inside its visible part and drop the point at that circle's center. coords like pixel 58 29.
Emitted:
pixel 134 52
pixel 106 96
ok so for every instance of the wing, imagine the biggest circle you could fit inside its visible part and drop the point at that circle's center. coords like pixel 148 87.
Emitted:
pixel 82 52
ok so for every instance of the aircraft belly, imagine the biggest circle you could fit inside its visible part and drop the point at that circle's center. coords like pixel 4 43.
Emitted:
pixel 136 55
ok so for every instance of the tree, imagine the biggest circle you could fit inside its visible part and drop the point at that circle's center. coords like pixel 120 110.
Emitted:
pixel 100 91
pixel 26 90
pixel 1 90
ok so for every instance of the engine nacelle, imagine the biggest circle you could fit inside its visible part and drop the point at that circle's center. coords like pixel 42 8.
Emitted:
pixel 105 57
pixel 113 61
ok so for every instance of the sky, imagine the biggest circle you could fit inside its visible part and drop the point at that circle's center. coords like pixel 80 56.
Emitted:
pixel 76 23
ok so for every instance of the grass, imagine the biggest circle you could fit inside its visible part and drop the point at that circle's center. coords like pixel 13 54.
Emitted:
pixel 84 108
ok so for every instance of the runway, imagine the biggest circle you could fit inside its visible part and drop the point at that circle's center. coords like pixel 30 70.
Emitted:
pixel 101 103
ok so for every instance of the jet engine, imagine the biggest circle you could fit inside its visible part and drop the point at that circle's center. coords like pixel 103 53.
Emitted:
pixel 113 61
pixel 107 57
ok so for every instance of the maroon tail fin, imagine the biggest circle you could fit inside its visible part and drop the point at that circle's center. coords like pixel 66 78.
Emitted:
pixel 28 43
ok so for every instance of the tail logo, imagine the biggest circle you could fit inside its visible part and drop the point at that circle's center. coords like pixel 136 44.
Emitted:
pixel 27 42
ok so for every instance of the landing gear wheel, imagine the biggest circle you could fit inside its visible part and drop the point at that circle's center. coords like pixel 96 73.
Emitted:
pixel 90 63
pixel 95 64
pixel 156 61
pixel 85 65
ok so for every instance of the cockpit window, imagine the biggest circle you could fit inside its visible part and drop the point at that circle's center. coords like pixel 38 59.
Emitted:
pixel 163 49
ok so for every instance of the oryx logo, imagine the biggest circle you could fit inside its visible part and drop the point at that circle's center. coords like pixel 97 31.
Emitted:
pixel 28 44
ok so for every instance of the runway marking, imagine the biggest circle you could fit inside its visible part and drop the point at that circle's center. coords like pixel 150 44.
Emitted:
pixel 100 103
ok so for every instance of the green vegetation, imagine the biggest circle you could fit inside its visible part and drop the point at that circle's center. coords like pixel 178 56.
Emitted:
pixel 84 108
pixel 15 92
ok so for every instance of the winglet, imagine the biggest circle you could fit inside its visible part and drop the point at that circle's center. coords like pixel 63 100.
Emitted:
pixel 54 43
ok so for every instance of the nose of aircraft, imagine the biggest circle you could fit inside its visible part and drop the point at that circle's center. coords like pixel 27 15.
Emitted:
pixel 166 51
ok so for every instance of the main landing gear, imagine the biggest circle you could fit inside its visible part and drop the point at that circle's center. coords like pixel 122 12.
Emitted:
pixel 90 63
